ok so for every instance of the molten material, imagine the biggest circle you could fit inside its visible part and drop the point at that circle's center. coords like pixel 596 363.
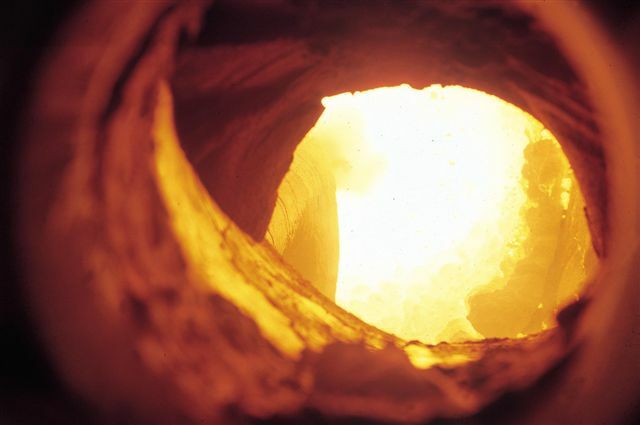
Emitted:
pixel 449 200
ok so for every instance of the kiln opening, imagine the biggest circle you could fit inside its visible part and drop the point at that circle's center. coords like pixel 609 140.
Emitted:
pixel 442 214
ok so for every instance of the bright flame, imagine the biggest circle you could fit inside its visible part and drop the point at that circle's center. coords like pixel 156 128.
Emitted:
pixel 431 202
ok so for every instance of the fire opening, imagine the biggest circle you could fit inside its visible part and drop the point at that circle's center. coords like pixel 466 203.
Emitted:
pixel 442 214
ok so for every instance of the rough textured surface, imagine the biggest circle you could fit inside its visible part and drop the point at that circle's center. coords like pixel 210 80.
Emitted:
pixel 304 224
pixel 139 319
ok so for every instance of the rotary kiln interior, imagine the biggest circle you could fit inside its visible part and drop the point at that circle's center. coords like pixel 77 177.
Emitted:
pixel 140 242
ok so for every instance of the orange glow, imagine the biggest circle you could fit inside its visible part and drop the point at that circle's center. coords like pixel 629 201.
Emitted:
pixel 444 195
